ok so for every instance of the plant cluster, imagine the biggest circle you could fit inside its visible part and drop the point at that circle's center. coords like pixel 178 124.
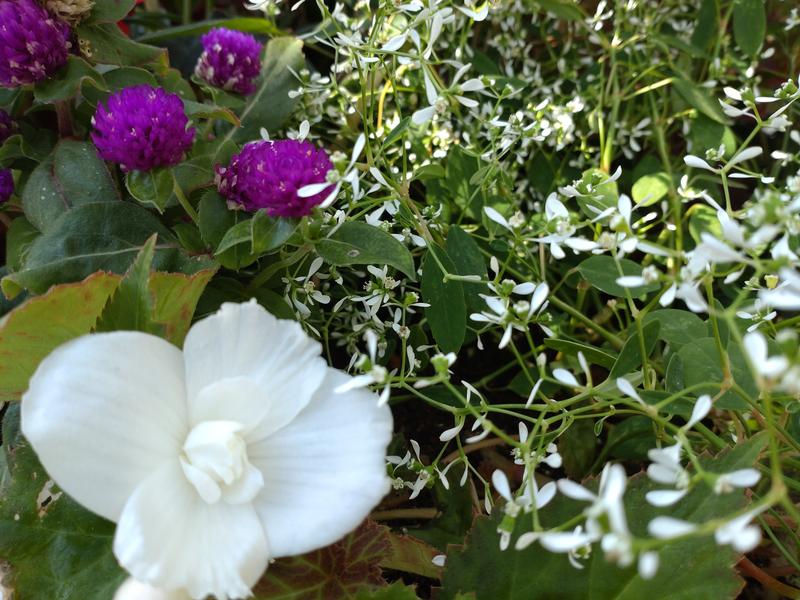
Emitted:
pixel 558 239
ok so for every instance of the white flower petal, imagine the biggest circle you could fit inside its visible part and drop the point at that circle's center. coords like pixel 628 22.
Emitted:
pixel 669 527
pixel 170 538
pixel 699 412
pixel 743 478
pixel 664 497
pixel 495 216
pixel 746 154
pixel 575 490
pixel 560 541
pixel 565 377
pixel 648 565
pixel 423 115
pixel 103 411
pixel 136 590
pixel 245 341
pixel 697 163
pixel 324 471
pixel 500 483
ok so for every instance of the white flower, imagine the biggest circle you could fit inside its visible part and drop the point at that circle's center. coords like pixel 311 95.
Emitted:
pixel 212 460
pixel 739 533
pixel 755 344
pixel 132 589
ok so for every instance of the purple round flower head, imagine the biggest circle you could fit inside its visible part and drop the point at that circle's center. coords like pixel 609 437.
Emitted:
pixel 6 185
pixel 33 44
pixel 6 126
pixel 268 175
pixel 142 127
pixel 231 60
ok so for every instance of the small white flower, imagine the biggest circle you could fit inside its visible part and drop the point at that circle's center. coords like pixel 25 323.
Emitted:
pixel 215 459
pixel 132 589
pixel 739 533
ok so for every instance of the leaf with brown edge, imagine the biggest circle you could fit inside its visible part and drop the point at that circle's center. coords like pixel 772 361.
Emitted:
pixel 338 572
pixel 411 555
pixel 176 296
pixel 31 331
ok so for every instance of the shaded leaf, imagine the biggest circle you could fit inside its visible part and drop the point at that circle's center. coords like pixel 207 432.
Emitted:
pixel 67 82
pixel 602 272
pixel 153 187
pixel 749 25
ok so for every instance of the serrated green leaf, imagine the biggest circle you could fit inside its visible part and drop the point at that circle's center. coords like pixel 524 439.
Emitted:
pixel 358 243
pixel 33 330
pixel 602 272
pixel 447 313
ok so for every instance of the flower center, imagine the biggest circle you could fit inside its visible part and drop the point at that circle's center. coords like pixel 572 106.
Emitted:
pixel 215 462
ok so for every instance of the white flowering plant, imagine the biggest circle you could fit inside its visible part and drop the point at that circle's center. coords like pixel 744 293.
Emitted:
pixel 399 299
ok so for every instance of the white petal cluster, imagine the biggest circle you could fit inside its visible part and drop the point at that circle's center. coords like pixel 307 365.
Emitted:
pixel 212 460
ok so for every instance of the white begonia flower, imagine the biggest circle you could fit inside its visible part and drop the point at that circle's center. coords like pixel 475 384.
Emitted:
pixel 132 589
pixel 214 460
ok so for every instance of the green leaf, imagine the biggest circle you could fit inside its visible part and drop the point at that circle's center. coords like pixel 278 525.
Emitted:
pixel 358 243
pixel 678 327
pixel 56 549
pixel 649 189
pixel 689 569
pixel 605 195
pixel 176 296
pixel 269 233
pixel 396 591
pixel 700 362
pixel 602 272
pixel 341 571
pixel 270 104
pixel 706 133
pixel 67 82
pixel 210 111
pixel 468 260
pixel 72 176
pixel 110 11
pixel 578 448
pixel 33 330
pixel 699 99
pixel 703 218
pixel 593 355
pixel 562 9
pixel 153 187
pixel 630 356
pixel 246 24
pixel 707 25
pixel 132 305
pixel 95 237
pixel 216 220
pixel 411 555
pixel 108 45
pixel 749 25
pixel 19 236
pixel 447 313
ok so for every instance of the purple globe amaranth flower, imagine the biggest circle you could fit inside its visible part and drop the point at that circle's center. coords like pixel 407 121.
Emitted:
pixel 268 175
pixel 231 60
pixel 6 126
pixel 33 43
pixel 141 128
pixel 6 185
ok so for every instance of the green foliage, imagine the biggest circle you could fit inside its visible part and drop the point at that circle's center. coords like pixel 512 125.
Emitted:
pixel 689 569
pixel 153 187
pixel 447 313
pixel 33 330
pixel 356 243
pixel 602 272
pixel 749 25
pixel 56 549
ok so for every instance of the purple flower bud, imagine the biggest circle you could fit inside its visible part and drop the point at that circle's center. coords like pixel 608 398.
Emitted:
pixel 268 175
pixel 33 44
pixel 6 185
pixel 142 127
pixel 231 60
pixel 6 126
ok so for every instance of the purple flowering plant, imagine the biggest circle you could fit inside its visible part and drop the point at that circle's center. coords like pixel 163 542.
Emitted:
pixel 429 299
